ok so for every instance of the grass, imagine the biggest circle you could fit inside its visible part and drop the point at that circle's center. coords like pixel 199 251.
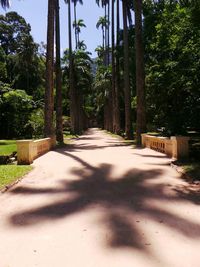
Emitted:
pixel 191 166
pixel 126 141
pixel 10 173
pixel 67 139
pixel 7 147
pixel 69 135
pixel 153 133
pixel 193 170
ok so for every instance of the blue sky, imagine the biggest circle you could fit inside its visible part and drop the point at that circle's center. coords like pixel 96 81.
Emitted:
pixel 37 17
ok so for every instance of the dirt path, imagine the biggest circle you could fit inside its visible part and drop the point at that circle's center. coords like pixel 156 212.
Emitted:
pixel 99 203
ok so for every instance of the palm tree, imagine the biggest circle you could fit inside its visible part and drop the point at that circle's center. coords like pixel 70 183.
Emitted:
pixel 102 22
pixel 82 45
pixel 49 102
pixel 140 81
pixel 59 125
pixel 127 92
pixel 74 116
pixel 117 127
pixel 106 5
pixel 5 3
pixel 113 64
pixel 75 20
pixel 99 51
pixel 78 25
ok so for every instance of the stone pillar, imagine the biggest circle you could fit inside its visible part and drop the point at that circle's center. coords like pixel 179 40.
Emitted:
pixel 148 141
pixel 143 140
pixel 53 141
pixel 168 147
pixel 24 152
pixel 180 147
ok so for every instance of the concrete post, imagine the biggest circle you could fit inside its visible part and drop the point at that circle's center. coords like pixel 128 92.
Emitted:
pixel 143 140
pixel 53 142
pixel 180 147
pixel 24 152
pixel 168 147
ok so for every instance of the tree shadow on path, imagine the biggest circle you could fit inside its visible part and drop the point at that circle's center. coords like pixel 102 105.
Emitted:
pixel 128 203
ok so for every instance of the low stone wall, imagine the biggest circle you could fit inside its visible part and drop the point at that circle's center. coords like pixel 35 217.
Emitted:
pixel 28 150
pixel 176 147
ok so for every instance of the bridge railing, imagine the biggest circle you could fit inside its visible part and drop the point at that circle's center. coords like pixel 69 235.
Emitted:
pixel 28 150
pixel 176 146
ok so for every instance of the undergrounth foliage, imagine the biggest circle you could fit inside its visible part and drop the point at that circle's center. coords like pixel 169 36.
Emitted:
pixel 7 147
pixel 10 173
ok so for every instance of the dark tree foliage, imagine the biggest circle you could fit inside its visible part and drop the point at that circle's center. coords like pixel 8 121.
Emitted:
pixel 23 64
pixel 21 79
pixel 173 66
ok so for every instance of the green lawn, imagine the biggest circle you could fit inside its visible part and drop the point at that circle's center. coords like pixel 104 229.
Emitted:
pixel 7 147
pixel 69 135
pixel 10 173
pixel 192 169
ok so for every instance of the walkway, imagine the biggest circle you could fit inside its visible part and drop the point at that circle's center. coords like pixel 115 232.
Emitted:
pixel 100 203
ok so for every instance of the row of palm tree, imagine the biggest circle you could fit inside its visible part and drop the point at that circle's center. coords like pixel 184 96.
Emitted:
pixel 115 88
pixel 53 19
pixel 53 26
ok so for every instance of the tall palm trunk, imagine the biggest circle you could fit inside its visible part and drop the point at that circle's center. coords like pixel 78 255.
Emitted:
pixel 127 92
pixel 108 45
pixel 140 81
pixel 105 37
pixel 73 100
pixel 117 74
pixel 75 28
pixel 113 65
pixel 59 126
pixel 49 100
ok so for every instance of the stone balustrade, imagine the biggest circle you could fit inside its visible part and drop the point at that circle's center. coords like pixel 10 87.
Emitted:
pixel 28 150
pixel 176 147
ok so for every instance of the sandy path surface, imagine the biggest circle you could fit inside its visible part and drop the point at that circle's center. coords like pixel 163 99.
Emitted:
pixel 100 203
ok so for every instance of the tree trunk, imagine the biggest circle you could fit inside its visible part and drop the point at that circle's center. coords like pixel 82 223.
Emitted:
pixel 127 92
pixel 140 80
pixel 113 66
pixel 103 39
pixel 108 47
pixel 106 37
pixel 49 99
pixel 75 30
pixel 117 77
pixel 73 99
pixel 59 125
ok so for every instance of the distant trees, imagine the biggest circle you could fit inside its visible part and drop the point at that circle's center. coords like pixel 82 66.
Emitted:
pixel 103 24
pixel 112 55
pixel 77 28
pixel 75 23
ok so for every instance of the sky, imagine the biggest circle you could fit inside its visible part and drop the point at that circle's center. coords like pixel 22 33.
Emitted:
pixel 37 17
